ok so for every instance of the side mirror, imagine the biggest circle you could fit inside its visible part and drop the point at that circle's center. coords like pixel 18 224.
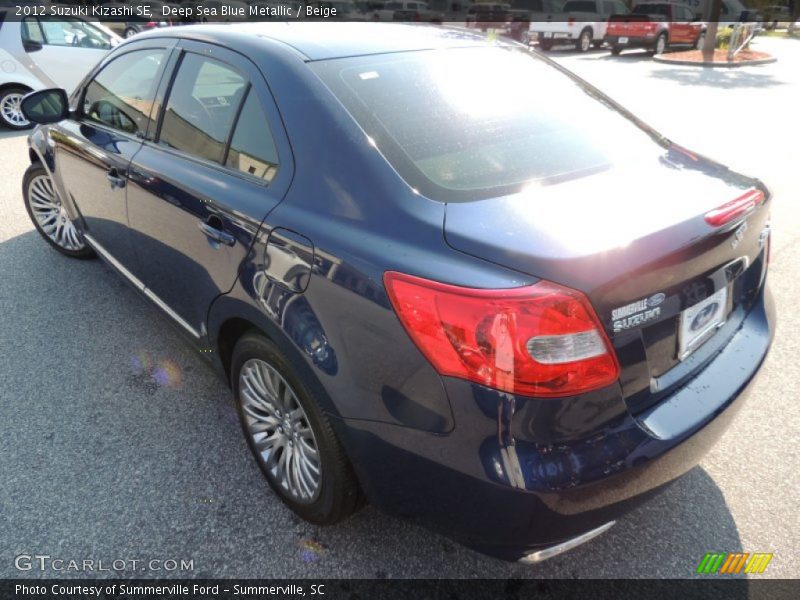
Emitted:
pixel 46 106
pixel 31 46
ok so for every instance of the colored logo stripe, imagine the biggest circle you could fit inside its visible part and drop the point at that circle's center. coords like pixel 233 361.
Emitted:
pixel 732 563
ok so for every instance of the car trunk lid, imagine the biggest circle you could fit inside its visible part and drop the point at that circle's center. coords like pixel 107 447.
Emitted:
pixel 638 244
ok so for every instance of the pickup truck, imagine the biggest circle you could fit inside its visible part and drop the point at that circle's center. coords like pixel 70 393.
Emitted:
pixel 405 11
pixel 655 26
pixel 580 22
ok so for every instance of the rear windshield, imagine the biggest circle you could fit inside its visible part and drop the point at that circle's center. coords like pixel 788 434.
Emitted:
pixel 652 9
pixel 472 123
pixel 581 6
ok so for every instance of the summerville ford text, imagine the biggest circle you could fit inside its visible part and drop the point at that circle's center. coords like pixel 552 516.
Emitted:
pixel 123 589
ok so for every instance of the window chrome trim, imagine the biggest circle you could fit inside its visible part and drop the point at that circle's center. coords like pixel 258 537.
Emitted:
pixel 139 285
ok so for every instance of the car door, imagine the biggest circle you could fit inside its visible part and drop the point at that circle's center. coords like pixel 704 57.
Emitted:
pixel 200 188
pixel 683 28
pixel 93 150
pixel 64 50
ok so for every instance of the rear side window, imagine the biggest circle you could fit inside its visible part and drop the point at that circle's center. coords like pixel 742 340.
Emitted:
pixel 472 123
pixel 202 105
pixel 252 148
pixel 121 95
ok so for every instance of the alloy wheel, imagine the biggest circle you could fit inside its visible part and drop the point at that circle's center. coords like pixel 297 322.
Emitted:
pixel 661 44
pixel 51 216
pixel 280 431
pixel 586 41
pixel 11 110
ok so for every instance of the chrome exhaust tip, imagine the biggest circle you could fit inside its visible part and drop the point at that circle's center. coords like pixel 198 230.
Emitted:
pixel 544 554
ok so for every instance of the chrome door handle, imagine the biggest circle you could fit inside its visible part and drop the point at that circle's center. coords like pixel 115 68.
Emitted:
pixel 114 178
pixel 216 234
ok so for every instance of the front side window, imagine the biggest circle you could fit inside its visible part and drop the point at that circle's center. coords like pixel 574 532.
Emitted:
pixel 121 96
pixel 201 107
pixel 252 148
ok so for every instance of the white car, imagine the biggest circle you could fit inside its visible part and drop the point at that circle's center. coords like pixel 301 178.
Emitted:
pixel 38 53
pixel 580 22
pixel 392 10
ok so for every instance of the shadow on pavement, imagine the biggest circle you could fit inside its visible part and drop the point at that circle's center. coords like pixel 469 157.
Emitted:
pixel 724 78
pixel 102 460
pixel 10 133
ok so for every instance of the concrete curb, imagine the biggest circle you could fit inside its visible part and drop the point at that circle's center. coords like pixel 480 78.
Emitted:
pixel 716 65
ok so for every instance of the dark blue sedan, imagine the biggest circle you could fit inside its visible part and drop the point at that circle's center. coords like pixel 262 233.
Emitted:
pixel 441 273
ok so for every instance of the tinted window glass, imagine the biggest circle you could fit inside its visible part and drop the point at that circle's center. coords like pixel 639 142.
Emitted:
pixel 74 33
pixel 580 6
pixel 252 147
pixel 31 32
pixel 464 124
pixel 659 10
pixel 121 95
pixel 202 105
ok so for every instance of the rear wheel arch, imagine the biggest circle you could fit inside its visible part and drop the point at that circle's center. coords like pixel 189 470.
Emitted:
pixel 230 332
pixel 240 318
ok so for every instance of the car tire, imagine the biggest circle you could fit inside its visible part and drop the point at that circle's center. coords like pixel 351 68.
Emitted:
pixel 616 50
pixel 661 44
pixel 584 40
pixel 290 436
pixel 130 32
pixel 546 46
pixel 698 44
pixel 11 115
pixel 45 210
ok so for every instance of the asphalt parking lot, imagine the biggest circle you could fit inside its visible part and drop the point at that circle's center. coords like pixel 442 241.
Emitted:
pixel 119 443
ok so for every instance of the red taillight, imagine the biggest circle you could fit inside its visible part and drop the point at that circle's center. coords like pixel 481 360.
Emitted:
pixel 541 340
pixel 734 209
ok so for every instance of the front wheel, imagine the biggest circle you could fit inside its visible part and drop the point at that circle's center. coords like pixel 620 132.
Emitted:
pixel 290 436
pixel 11 114
pixel 546 46
pixel 49 215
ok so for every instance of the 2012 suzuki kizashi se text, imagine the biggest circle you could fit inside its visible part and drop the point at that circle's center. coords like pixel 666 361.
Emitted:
pixel 441 273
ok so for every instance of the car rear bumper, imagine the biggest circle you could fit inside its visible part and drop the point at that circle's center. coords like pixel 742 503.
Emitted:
pixel 492 485
pixel 556 36
pixel 632 42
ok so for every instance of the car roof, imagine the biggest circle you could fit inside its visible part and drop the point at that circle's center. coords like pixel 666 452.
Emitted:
pixel 321 41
